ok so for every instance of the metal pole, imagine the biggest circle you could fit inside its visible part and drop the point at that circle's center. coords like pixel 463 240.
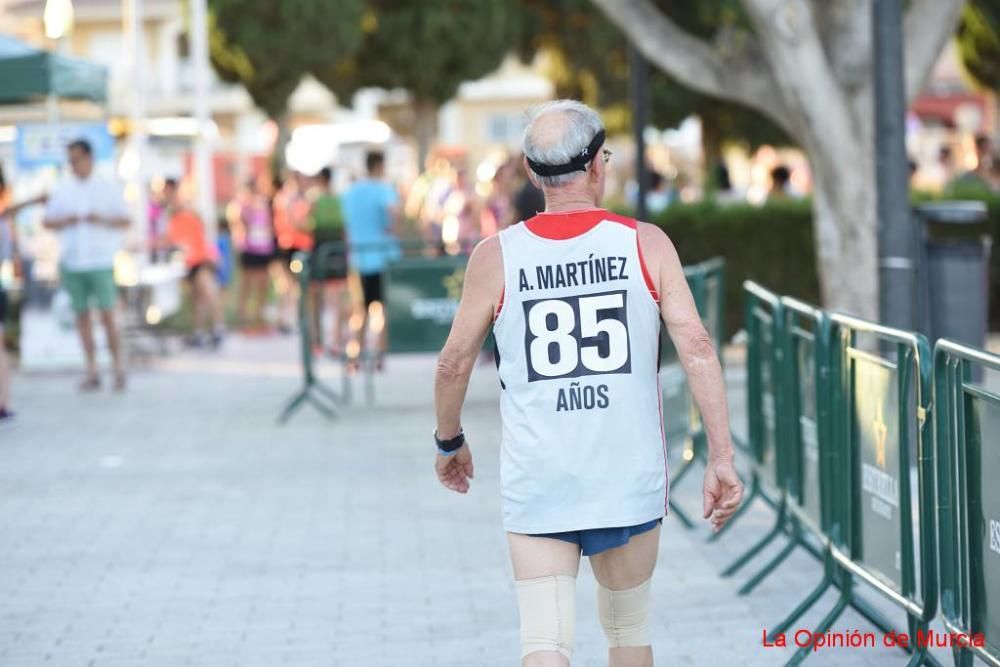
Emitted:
pixel 639 92
pixel 137 182
pixel 203 171
pixel 896 231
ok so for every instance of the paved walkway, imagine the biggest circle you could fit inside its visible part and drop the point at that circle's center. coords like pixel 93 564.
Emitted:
pixel 179 525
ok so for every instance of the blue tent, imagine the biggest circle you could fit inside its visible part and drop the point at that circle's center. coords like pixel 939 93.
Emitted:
pixel 28 74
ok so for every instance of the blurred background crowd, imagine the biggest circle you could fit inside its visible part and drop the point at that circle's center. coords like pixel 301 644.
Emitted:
pixel 239 141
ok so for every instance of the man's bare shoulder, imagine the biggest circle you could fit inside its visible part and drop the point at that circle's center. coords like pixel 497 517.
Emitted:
pixel 487 252
pixel 657 247
pixel 486 263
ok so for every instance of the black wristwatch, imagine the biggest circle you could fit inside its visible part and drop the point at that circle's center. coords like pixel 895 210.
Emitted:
pixel 451 445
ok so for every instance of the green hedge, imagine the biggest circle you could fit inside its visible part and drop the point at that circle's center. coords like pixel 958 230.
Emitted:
pixel 773 245
pixel 770 244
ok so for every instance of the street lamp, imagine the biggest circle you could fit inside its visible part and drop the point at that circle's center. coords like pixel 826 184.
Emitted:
pixel 58 18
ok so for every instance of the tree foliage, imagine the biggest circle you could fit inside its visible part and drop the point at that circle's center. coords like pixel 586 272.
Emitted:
pixel 591 63
pixel 427 47
pixel 269 46
pixel 979 42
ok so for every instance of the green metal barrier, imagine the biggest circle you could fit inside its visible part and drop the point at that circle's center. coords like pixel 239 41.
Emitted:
pixel 682 423
pixel 766 413
pixel 312 389
pixel 880 411
pixel 801 368
pixel 968 468
pixel 811 455
pixel 421 299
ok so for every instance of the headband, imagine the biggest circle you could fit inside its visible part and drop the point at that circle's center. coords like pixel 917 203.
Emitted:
pixel 576 163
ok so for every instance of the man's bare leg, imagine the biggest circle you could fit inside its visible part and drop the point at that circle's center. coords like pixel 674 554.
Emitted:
pixel 207 291
pixel 4 373
pixel 243 298
pixel 622 568
pixel 335 294
pixel 534 557
pixel 213 298
pixel 86 332
pixel 115 343
pixel 197 305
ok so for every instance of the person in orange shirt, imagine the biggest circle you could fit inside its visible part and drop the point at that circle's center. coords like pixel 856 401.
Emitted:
pixel 291 227
pixel 186 232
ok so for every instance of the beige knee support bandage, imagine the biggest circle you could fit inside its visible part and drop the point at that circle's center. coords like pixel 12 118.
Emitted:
pixel 548 614
pixel 625 615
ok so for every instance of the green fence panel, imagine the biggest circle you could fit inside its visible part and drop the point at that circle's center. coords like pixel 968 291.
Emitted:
pixel 881 405
pixel 811 451
pixel 422 296
pixel 764 321
pixel 968 468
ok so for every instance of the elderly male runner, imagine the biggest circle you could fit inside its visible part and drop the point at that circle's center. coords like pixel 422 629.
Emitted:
pixel 575 296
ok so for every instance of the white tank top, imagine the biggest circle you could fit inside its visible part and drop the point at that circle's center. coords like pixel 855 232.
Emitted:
pixel 578 339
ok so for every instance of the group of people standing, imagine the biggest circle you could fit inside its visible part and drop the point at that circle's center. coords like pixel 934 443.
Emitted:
pixel 453 212
pixel 269 223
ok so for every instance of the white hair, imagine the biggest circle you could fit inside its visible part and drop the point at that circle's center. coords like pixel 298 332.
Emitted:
pixel 580 127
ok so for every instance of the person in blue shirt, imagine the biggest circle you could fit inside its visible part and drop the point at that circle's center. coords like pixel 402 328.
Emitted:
pixel 371 211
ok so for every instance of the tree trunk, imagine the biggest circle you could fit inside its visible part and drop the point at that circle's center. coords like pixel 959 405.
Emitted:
pixel 845 229
pixel 284 135
pixel 424 128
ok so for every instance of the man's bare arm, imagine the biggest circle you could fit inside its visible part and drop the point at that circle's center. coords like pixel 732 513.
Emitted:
pixel 694 346
pixel 113 222
pixel 59 223
pixel 722 489
pixel 480 294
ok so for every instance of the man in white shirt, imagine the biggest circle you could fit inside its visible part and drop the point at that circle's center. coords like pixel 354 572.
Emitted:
pixel 89 214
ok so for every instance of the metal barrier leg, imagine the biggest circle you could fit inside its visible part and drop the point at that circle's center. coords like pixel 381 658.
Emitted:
pixel 684 469
pixel 825 583
pixel 779 558
pixel 962 657
pixel 748 555
pixel 874 617
pixel 333 396
pixel 754 492
pixel 325 409
pixel 292 406
pixel 920 655
pixel 842 602
pixel 681 515
pixel 368 366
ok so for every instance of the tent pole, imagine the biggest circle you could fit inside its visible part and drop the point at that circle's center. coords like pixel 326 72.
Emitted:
pixel 138 186
pixel 203 171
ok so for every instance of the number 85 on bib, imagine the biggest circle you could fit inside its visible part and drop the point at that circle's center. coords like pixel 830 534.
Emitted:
pixel 575 336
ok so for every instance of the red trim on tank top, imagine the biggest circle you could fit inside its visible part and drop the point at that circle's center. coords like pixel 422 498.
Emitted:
pixel 503 293
pixel 563 226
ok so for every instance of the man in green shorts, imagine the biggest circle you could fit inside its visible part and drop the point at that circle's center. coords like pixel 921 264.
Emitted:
pixel 89 214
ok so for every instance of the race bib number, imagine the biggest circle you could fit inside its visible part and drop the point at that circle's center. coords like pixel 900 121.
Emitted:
pixel 576 336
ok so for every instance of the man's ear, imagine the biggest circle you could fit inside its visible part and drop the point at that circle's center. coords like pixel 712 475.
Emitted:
pixel 532 176
pixel 595 169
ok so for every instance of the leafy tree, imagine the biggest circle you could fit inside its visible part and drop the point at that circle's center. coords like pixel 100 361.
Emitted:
pixel 428 48
pixel 591 63
pixel 979 42
pixel 269 46
pixel 806 65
